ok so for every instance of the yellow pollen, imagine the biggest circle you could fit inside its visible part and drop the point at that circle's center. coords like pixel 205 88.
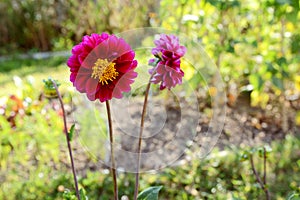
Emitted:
pixel 104 71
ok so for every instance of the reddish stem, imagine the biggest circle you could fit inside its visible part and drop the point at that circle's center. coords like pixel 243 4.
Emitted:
pixel 113 165
pixel 68 139
pixel 137 175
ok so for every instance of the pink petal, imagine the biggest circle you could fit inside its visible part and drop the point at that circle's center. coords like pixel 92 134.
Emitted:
pixel 127 56
pixel 73 77
pixel 104 94
pixel 102 50
pixel 79 83
pixel 91 86
pixel 117 93
pixel 77 49
pixel 91 97
pixel 73 61
pixel 160 69
pixel 124 66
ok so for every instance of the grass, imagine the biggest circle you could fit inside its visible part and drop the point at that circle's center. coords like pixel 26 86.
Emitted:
pixel 24 68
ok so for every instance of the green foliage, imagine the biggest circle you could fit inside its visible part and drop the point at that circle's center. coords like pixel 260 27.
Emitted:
pixel 295 44
pixel 222 175
pixel 17 64
pixel 82 194
pixel 295 196
pixel 49 83
pixel 31 71
pixel 253 42
pixel 71 132
pixel 56 25
pixel 31 137
pixel 67 195
pixel 150 193
pixel 49 88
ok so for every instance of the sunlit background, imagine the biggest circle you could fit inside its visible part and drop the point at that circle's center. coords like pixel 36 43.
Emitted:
pixel 255 45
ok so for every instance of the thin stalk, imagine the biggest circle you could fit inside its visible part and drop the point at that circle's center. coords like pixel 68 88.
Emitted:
pixel 137 175
pixel 265 166
pixel 258 179
pixel 68 140
pixel 113 165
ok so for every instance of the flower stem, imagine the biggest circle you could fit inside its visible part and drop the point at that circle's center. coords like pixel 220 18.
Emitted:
pixel 113 166
pixel 68 140
pixel 265 166
pixel 137 175
pixel 258 179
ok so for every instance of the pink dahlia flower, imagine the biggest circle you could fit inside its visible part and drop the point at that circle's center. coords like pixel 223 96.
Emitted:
pixel 168 52
pixel 102 66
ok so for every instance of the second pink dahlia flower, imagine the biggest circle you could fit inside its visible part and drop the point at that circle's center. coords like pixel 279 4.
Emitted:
pixel 168 53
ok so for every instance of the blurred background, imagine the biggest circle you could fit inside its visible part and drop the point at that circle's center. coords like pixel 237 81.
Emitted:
pixel 255 45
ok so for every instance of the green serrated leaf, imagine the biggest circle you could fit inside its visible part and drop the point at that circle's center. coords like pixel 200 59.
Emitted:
pixel 71 132
pixel 150 193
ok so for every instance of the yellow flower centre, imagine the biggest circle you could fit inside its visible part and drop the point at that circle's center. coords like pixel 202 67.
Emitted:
pixel 104 71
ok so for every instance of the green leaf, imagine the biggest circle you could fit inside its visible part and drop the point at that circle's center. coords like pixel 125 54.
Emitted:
pixel 281 61
pixel 256 81
pixel 223 4
pixel 277 82
pixel 294 196
pixel 261 152
pixel 295 43
pixel 71 132
pixel 285 74
pixel 150 193
pixel 282 2
pixel 244 156
pixel 292 16
pixel 67 195
pixel 271 68
pixel 230 45
pixel 82 195
pixel 49 83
